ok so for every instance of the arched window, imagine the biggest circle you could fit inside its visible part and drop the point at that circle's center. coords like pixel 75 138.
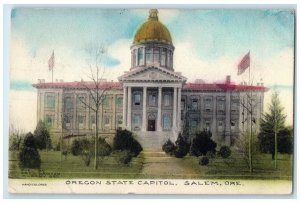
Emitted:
pixel 133 59
pixel 149 56
pixel 141 56
pixel 156 55
pixel 163 57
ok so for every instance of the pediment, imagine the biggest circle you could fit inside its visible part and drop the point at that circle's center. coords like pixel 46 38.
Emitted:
pixel 152 74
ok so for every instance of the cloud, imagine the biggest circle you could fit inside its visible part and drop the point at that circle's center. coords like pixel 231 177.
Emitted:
pixel 22 109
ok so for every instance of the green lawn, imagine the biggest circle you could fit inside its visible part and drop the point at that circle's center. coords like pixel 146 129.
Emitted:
pixel 236 167
pixel 73 167
pixel 233 167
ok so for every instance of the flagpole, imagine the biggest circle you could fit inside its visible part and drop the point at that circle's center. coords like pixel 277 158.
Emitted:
pixel 250 137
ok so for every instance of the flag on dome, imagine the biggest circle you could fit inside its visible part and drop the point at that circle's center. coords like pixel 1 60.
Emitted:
pixel 244 64
pixel 51 61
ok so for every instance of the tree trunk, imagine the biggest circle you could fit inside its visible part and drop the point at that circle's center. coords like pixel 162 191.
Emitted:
pixel 273 155
pixel 96 142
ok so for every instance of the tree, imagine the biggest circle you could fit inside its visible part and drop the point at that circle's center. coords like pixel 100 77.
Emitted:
pixel 124 140
pixel 242 146
pixel 270 126
pixel 202 143
pixel 16 136
pixel 181 147
pixel 42 136
pixel 96 90
pixel 29 156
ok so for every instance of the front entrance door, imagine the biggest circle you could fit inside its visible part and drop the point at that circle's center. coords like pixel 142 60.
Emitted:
pixel 151 125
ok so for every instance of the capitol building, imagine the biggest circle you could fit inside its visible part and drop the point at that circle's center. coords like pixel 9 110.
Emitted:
pixel 151 99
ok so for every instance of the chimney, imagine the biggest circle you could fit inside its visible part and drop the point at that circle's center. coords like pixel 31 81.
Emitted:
pixel 228 79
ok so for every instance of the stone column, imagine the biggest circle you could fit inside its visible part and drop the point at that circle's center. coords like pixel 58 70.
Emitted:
pixel 87 113
pixel 159 128
pixel 124 106
pixel 179 109
pixel 228 118
pixel 75 112
pixel 129 109
pixel 144 125
pixel 174 110
pixel 114 107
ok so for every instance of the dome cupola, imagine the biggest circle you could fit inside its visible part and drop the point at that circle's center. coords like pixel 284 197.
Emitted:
pixel 152 45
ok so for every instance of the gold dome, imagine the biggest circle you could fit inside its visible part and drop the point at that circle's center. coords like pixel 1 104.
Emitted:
pixel 152 30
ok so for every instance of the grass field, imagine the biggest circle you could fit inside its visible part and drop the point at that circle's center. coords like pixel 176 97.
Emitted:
pixel 233 167
pixel 73 167
pixel 236 167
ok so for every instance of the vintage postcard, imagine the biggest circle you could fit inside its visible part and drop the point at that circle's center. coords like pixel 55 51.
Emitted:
pixel 151 101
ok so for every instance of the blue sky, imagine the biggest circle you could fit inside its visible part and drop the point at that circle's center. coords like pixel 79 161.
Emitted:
pixel 208 43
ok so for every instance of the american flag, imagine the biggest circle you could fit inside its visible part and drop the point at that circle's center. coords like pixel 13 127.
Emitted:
pixel 244 64
pixel 51 61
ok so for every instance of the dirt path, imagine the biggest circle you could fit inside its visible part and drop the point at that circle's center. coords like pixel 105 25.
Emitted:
pixel 160 165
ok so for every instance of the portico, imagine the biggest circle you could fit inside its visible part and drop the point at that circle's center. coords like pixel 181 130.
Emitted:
pixel 152 103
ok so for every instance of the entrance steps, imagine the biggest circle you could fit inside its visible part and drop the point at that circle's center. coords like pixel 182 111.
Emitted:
pixel 152 140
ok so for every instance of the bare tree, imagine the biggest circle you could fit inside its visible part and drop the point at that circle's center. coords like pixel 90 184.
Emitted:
pixel 96 89
pixel 248 104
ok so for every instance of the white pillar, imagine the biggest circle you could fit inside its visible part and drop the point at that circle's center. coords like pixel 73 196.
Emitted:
pixel 129 109
pixel 228 119
pixel 179 109
pixel 144 126
pixel 174 110
pixel 159 128
pixel 124 106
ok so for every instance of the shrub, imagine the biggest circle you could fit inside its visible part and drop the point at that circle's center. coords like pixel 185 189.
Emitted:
pixel 123 157
pixel 211 154
pixel 169 147
pixel 202 143
pixel 125 141
pixel 182 147
pixel 76 148
pixel 29 156
pixel 104 149
pixel 225 152
pixel 42 136
pixel 203 161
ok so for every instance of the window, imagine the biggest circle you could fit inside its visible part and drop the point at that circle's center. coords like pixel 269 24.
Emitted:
pixel 136 120
pixel 93 119
pixel 208 104
pixel 149 56
pixel 169 59
pixel 50 101
pixel 167 100
pixel 106 102
pixel 137 99
pixel 233 124
pixel 140 56
pixel 152 99
pixel 156 55
pixel 81 102
pixel 106 121
pixel 167 122
pixel 194 104
pixel 182 104
pixel 220 125
pixel 80 120
pixel 67 120
pixel 68 103
pixel 119 102
pixel 221 106
pixel 120 120
pixel 163 57
pixel 49 121
pixel 133 60
pixel 234 108
pixel 207 125
pixel 194 123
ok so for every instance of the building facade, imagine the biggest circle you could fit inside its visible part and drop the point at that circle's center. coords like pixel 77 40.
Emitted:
pixel 151 99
